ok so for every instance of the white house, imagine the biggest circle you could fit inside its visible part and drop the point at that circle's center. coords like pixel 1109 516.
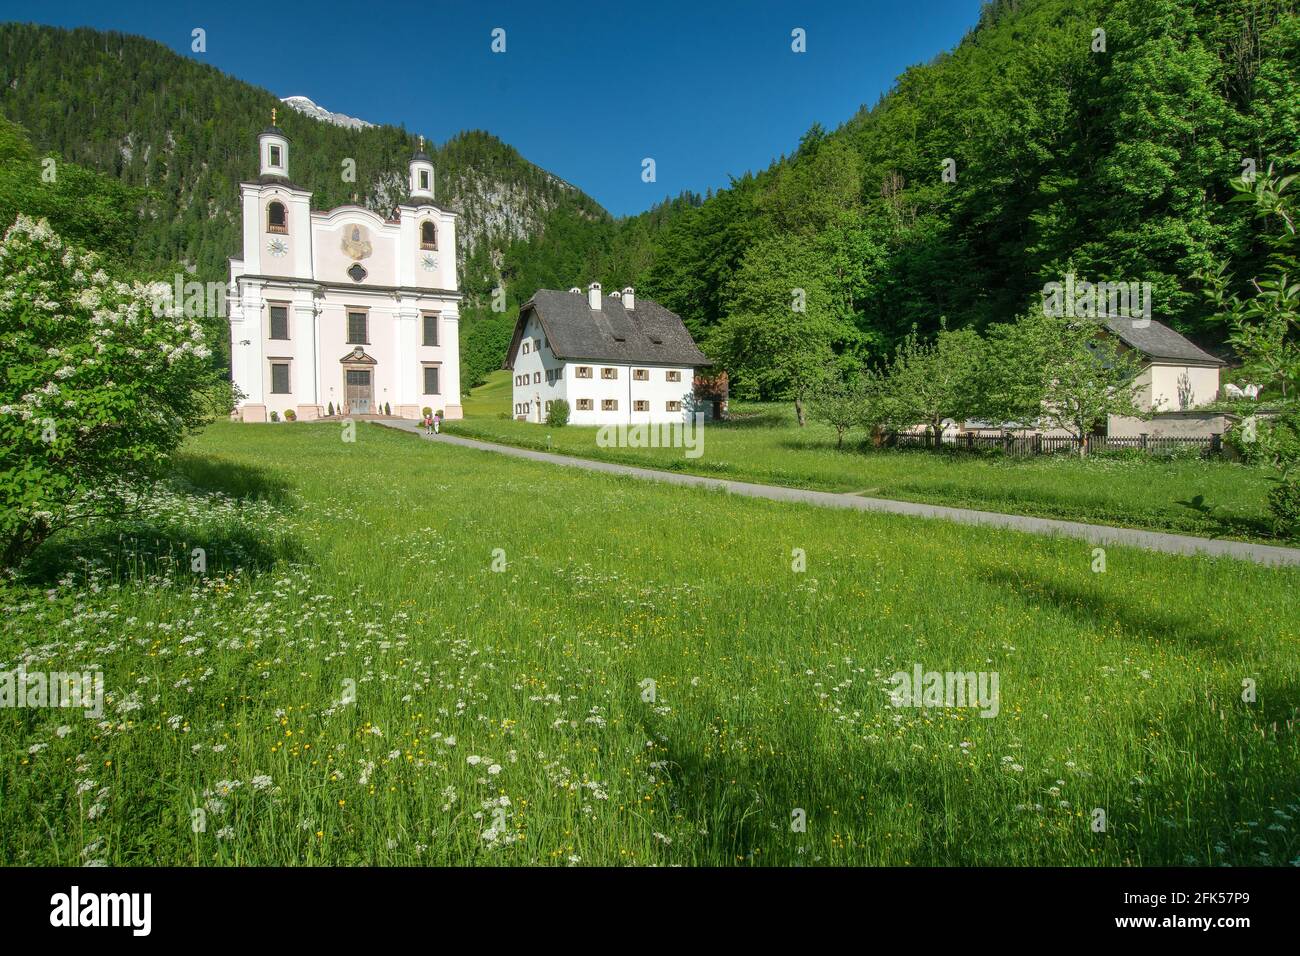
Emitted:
pixel 1174 376
pixel 343 307
pixel 615 359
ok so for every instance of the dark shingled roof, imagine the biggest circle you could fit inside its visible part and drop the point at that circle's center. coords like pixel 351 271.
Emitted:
pixel 649 333
pixel 1156 340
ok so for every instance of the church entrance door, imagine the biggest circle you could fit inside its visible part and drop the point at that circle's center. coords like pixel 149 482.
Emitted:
pixel 360 391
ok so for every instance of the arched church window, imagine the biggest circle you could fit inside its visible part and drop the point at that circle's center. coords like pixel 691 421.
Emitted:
pixel 276 219
pixel 428 236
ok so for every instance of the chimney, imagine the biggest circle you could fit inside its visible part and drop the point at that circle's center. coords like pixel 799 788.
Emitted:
pixel 593 296
pixel 629 298
pixel 575 291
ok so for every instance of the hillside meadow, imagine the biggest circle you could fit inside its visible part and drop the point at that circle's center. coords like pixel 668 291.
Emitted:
pixel 403 652
pixel 1188 495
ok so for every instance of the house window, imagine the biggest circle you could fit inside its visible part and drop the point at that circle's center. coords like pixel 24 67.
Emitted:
pixel 430 380
pixel 548 406
pixel 640 406
pixel 673 406
pixel 527 346
pixel 609 404
pixel 279 321
pixel 279 378
pixel 275 156
pixel 537 378
pixel 582 371
pixel 430 328
pixel 584 404
pixel 424 180
pixel 276 219
pixel 428 232
pixel 640 374
pixel 608 373
pixel 358 331
pixel 673 376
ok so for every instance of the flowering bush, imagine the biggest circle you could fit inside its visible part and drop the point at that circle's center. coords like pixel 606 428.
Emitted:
pixel 99 381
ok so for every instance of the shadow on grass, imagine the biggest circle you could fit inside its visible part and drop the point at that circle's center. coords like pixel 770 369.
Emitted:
pixel 742 420
pixel 1199 791
pixel 206 474
pixel 1223 803
pixel 132 546
pixel 743 806
pixel 1099 607
pixel 129 550
pixel 1219 522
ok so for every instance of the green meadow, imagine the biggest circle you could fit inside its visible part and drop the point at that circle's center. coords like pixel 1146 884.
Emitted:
pixel 403 652
pixel 1187 495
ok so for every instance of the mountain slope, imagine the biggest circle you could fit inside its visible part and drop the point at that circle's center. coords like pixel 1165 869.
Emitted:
pixel 186 132
pixel 1107 156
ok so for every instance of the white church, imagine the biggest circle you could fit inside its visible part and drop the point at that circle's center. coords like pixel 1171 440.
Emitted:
pixel 343 307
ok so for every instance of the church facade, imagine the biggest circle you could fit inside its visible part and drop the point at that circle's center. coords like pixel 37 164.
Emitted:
pixel 343 308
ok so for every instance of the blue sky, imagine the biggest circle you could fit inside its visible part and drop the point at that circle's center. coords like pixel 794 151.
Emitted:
pixel 708 89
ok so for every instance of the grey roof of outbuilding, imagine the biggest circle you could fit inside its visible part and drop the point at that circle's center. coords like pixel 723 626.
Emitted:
pixel 1156 340
pixel 648 333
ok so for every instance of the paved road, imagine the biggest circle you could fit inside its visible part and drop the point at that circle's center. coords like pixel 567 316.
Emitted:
pixel 1096 533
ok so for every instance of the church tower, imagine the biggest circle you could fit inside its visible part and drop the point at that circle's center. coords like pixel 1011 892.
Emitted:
pixel 273 151
pixel 421 181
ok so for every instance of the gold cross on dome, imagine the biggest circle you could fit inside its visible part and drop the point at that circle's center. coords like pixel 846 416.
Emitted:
pixel 421 142
pixel 272 115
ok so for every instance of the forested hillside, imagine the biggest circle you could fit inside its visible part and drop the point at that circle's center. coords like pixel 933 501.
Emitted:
pixel 1079 135
pixel 1113 163
pixel 184 133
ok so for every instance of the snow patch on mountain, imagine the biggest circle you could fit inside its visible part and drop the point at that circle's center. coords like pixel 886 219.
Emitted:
pixel 305 105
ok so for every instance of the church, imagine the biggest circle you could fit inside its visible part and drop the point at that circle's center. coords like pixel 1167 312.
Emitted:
pixel 342 309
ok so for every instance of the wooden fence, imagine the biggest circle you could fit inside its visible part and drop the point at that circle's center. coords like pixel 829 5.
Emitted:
pixel 1020 444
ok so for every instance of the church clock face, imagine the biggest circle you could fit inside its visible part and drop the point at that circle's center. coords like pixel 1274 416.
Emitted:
pixel 428 262
pixel 277 248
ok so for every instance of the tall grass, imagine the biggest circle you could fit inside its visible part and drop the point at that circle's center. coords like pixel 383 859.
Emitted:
pixel 361 676
pixel 1214 498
